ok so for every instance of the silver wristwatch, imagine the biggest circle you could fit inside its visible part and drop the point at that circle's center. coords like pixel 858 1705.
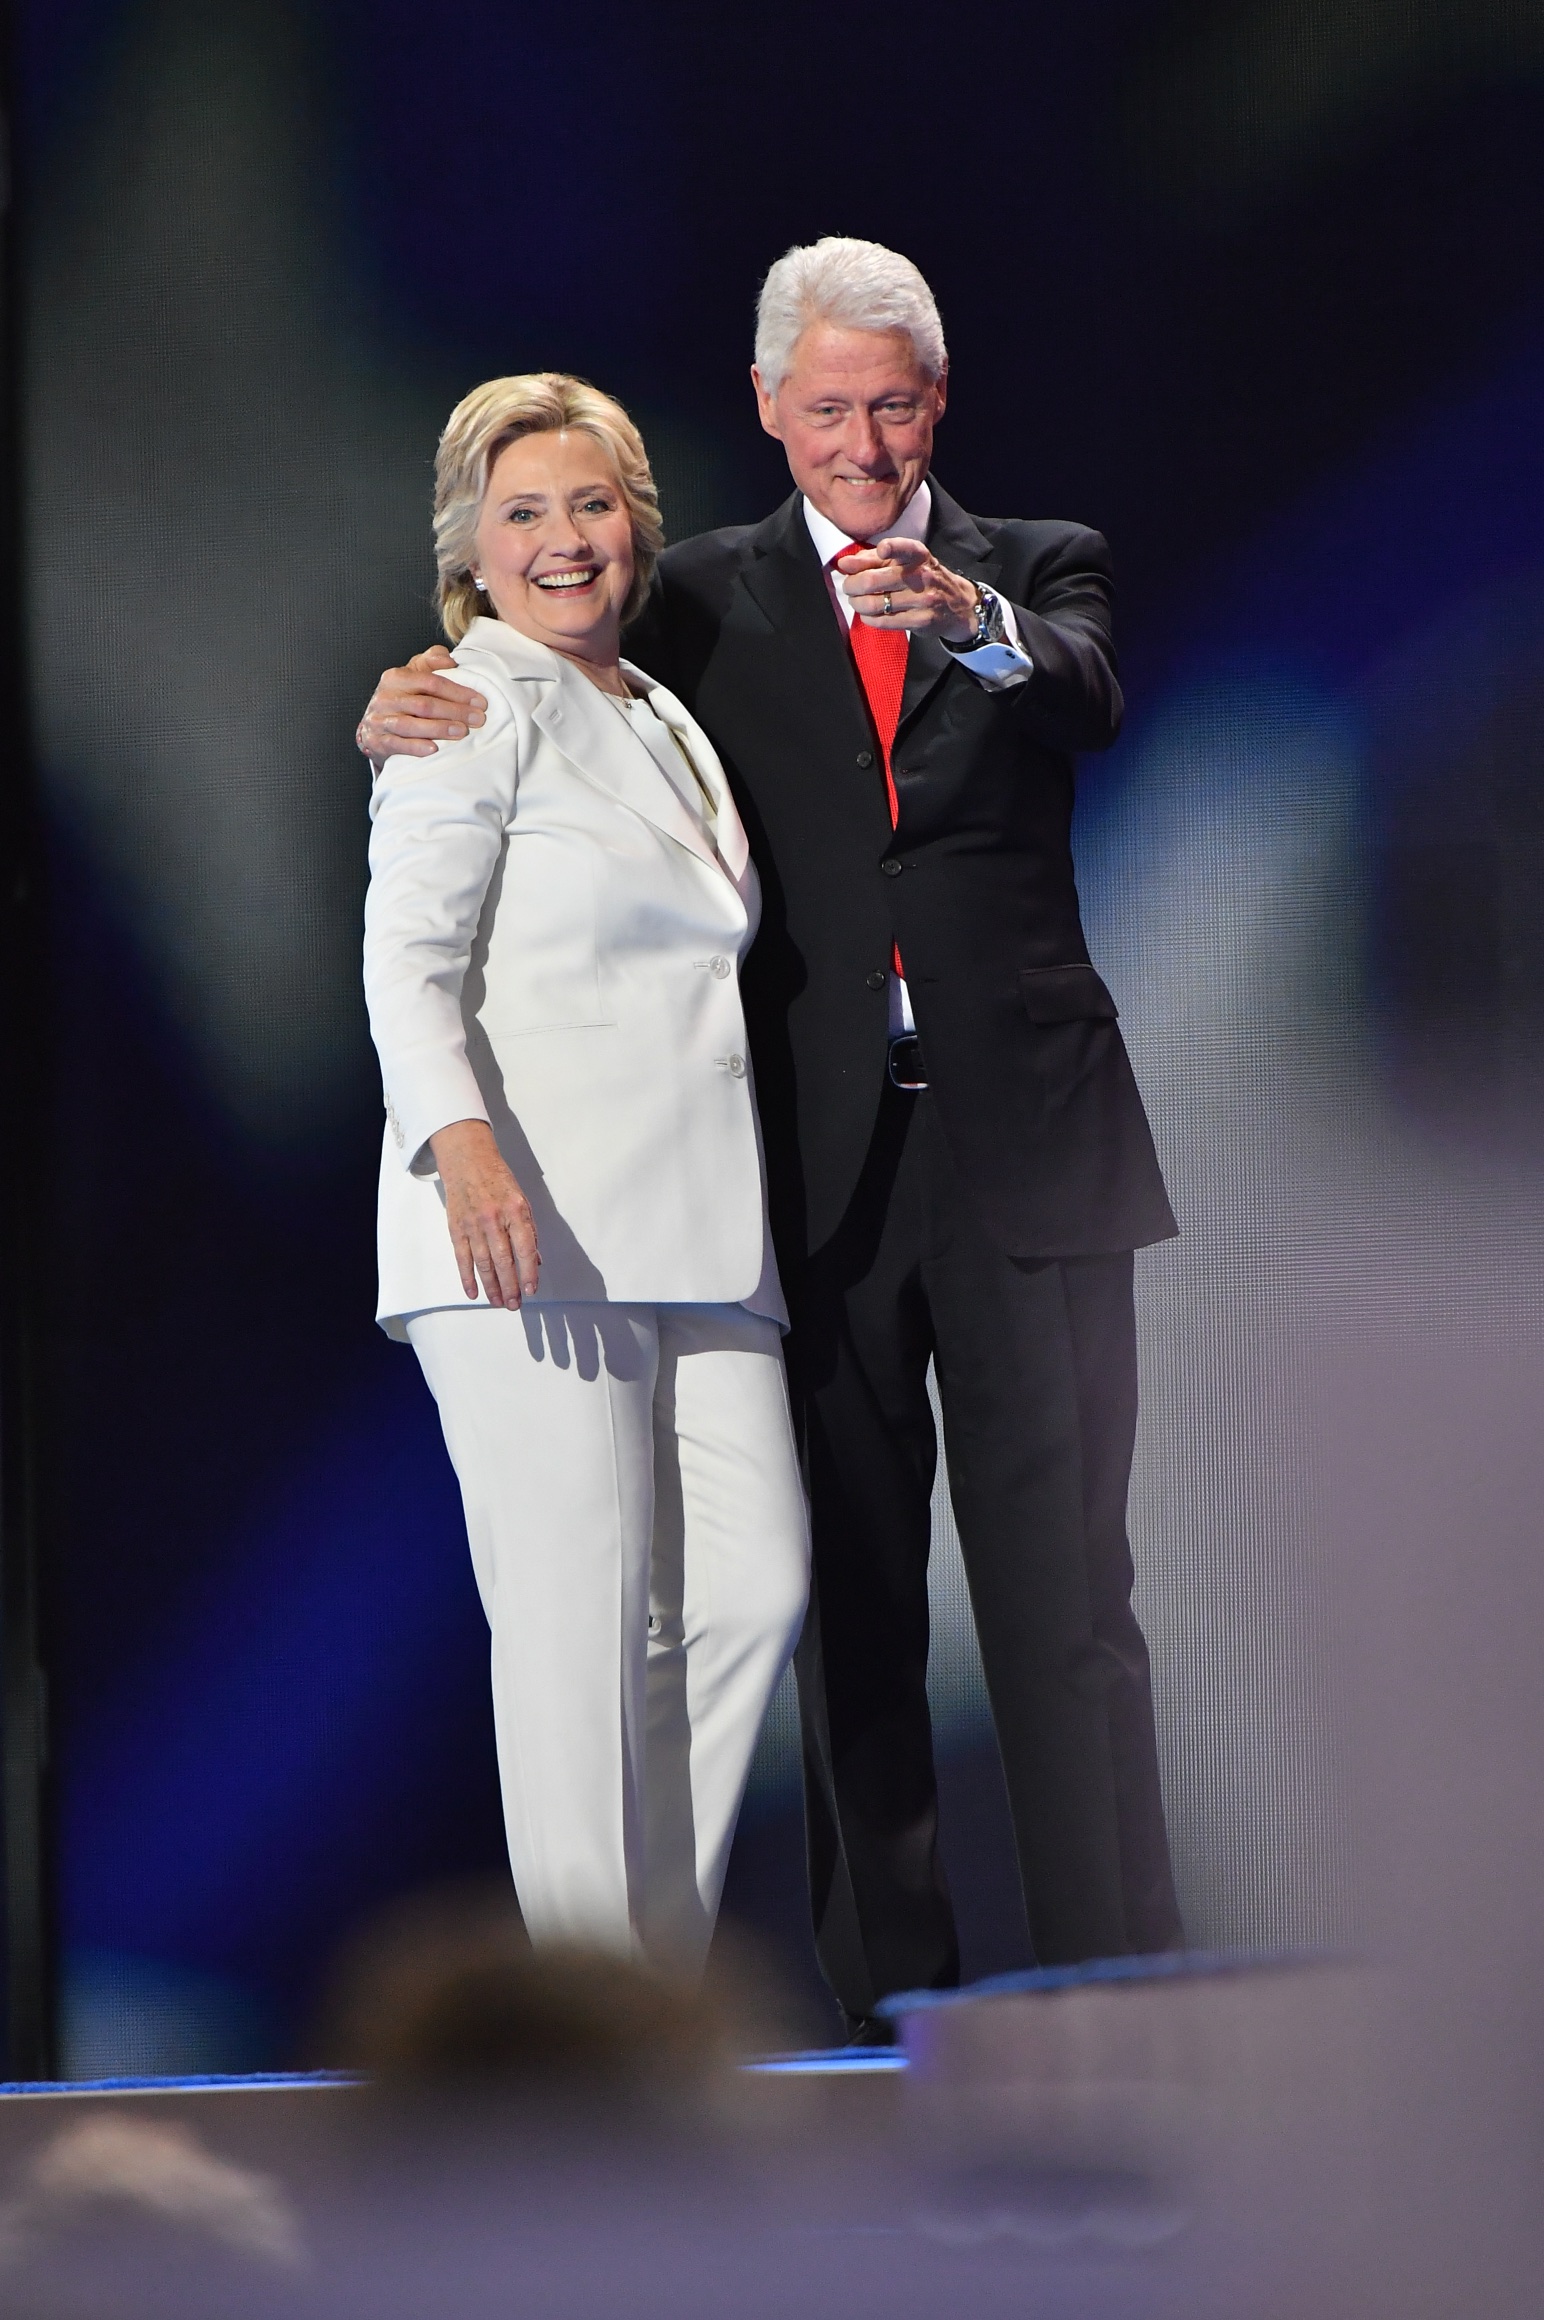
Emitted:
pixel 990 628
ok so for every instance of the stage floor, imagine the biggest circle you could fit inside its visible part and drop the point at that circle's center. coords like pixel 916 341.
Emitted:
pixel 1180 2139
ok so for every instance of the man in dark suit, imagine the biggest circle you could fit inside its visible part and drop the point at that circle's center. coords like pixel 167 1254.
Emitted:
pixel 959 1163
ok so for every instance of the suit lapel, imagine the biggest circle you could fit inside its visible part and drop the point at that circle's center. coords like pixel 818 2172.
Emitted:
pixel 960 543
pixel 594 736
pixel 784 578
pixel 596 740
pixel 728 830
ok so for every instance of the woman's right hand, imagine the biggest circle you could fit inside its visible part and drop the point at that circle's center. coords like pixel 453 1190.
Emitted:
pixel 491 1229
pixel 413 710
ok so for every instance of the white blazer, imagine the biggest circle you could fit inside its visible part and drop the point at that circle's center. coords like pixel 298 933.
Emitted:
pixel 553 945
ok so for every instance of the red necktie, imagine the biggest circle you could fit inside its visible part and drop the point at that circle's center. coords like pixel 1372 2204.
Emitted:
pixel 880 655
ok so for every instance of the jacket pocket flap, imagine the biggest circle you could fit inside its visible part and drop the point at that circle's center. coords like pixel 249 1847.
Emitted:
pixel 1070 994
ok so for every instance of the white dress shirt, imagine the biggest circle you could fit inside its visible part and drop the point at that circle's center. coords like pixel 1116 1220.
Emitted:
pixel 997 667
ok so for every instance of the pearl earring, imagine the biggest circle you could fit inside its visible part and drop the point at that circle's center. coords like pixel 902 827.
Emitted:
pixel 480 583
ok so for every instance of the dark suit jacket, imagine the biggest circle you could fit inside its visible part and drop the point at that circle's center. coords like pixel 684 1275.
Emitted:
pixel 1027 1065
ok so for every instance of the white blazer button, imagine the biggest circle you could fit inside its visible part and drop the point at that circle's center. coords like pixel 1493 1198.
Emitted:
pixel 720 966
pixel 733 1064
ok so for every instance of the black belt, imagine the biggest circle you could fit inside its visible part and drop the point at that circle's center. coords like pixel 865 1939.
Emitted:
pixel 907 1069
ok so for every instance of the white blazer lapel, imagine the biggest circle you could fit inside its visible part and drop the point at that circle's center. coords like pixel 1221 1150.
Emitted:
pixel 598 742
pixel 601 745
pixel 733 846
pixel 594 737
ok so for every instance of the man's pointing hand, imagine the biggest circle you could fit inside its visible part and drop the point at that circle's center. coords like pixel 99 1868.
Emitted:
pixel 901 584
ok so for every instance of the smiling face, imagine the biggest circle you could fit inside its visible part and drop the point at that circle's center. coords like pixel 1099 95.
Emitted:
pixel 855 415
pixel 554 543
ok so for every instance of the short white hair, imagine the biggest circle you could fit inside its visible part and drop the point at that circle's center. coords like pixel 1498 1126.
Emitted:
pixel 861 285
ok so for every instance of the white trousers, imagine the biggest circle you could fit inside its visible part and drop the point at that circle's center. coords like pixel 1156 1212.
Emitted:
pixel 641 1544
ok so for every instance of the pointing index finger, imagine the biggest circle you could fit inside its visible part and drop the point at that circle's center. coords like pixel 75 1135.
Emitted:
pixel 904 551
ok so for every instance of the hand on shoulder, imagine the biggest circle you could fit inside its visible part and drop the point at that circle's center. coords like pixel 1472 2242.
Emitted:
pixel 414 709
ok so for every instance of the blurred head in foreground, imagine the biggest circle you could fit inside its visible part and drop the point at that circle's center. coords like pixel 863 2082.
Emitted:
pixel 446 1992
pixel 130 2215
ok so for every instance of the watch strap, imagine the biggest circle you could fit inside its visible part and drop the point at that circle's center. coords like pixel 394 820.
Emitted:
pixel 990 627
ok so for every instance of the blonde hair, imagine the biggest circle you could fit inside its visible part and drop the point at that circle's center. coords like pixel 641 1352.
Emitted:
pixel 486 422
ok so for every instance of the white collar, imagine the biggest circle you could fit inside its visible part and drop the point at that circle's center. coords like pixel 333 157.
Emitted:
pixel 523 656
pixel 910 524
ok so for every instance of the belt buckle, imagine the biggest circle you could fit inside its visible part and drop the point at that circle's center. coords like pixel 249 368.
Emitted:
pixel 905 1064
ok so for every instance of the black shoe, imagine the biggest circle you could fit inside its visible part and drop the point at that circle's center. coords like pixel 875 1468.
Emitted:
pixel 869 2030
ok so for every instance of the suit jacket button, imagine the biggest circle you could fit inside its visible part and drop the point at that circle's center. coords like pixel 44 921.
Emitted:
pixel 878 979
pixel 865 757
pixel 890 866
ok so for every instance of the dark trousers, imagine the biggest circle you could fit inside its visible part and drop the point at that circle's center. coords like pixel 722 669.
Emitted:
pixel 1036 1369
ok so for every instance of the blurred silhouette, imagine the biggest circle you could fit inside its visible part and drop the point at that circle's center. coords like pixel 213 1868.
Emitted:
pixel 135 2215
pixel 446 1992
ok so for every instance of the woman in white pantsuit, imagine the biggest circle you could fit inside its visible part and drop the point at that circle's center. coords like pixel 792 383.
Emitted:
pixel 572 1222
